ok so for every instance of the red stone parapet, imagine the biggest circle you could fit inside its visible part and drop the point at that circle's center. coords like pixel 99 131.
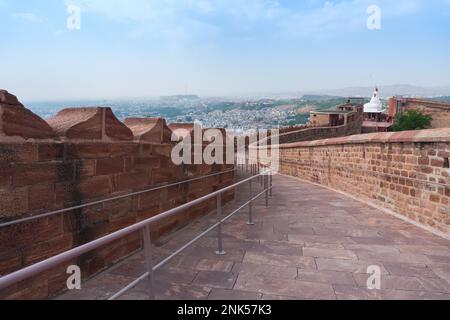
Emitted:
pixel 95 123
pixel 18 121
pixel 431 135
pixel 153 130
pixel 182 129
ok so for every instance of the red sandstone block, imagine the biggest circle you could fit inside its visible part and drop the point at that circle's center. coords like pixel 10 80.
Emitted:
pixel 41 197
pixel 18 153
pixel 29 289
pixel 89 123
pixel 435 198
pixel 96 187
pixel 123 149
pixel 122 222
pixel 84 168
pixel 16 120
pixel 163 176
pixel 120 208
pixel 88 151
pixel 161 150
pixel 145 150
pixel 66 194
pixel 13 203
pixel 92 216
pixel 142 163
pixel 153 130
pixel 149 200
pixel 131 181
pixel 447 191
pixel 10 261
pixel 129 164
pixel 115 129
pixel 424 161
pixel 25 234
pixel 148 213
pixel 87 234
pixel 110 166
pixel 444 154
pixel 30 174
pixel 426 170
pixel 437 163
pixel 48 248
pixel 51 152
pixel 5 176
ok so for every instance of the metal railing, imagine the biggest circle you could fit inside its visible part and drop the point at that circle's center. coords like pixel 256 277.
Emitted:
pixel 93 203
pixel 264 178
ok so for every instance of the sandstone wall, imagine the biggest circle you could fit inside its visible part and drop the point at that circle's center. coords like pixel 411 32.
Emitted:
pixel 440 111
pixel 82 155
pixel 313 133
pixel 406 172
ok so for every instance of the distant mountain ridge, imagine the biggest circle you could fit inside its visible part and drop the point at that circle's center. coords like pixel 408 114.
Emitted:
pixel 386 91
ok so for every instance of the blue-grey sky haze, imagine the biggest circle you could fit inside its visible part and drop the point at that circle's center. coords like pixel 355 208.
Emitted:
pixel 139 48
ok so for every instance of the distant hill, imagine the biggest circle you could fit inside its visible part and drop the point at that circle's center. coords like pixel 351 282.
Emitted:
pixel 181 97
pixel 442 99
pixel 319 98
pixel 387 91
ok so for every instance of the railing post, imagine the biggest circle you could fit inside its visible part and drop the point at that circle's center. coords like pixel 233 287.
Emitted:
pixel 261 177
pixel 250 207
pixel 266 187
pixel 271 183
pixel 149 260
pixel 220 250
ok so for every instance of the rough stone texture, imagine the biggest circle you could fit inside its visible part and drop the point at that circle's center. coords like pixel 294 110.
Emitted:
pixel 17 121
pixel 96 158
pixel 149 129
pixel 182 130
pixel 89 123
pixel 406 172
pixel 440 111
pixel 300 265
pixel 315 133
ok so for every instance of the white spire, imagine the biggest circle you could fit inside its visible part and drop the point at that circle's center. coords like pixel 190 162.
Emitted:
pixel 375 105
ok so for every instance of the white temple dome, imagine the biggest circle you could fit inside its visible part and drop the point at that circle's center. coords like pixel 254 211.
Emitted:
pixel 375 105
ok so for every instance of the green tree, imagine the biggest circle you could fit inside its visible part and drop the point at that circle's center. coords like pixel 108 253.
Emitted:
pixel 411 120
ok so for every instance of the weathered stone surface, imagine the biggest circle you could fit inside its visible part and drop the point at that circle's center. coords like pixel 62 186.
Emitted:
pixel 9 99
pixel 404 172
pixel 215 279
pixel 16 120
pixel 275 272
pixel 292 288
pixel 94 123
pixel 226 295
pixel 182 130
pixel 153 130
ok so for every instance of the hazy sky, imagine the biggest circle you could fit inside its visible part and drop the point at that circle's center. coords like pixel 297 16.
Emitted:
pixel 218 47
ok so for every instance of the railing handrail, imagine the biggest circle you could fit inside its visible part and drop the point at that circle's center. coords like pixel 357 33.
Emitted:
pixel 93 203
pixel 35 269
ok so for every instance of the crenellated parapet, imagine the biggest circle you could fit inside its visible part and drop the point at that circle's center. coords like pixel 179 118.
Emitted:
pixel 18 121
pixel 79 156
pixel 95 123
pixel 153 130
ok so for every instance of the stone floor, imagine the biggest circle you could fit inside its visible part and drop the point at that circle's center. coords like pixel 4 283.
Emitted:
pixel 311 243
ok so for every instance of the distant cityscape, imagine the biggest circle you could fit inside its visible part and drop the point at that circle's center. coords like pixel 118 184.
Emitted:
pixel 238 114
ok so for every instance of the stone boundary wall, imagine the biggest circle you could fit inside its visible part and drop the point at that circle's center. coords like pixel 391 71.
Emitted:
pixel 440 111
pixel 79 156
pixel 406 172
pixel 316 133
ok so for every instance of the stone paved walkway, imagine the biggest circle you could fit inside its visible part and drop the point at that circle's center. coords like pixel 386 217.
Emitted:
pixel 312 243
